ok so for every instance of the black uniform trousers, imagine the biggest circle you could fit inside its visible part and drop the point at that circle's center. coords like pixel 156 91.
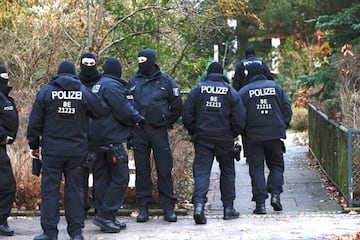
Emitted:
pixel 7 185
pixel 111 179
pixel 86 174
pixel 205 151
pixel 157 140
pixel 52 170
pixel 272 153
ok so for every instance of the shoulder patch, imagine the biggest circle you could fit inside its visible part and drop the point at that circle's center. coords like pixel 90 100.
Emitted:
pixel 96 88
pixel 176 92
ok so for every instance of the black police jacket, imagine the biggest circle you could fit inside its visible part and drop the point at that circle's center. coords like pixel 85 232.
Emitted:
pixel 156 97
pixel 60 117
pixel 268 109
pixel 115 127
pixel 239 79
pixel 9 118
pixel 213 110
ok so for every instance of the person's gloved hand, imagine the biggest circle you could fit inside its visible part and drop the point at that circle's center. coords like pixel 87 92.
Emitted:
pixel 34 153
pixel 129 143
pixel 89 160
pixel 140 124
pixel 237 151
pixel 7 140
pixel 36 166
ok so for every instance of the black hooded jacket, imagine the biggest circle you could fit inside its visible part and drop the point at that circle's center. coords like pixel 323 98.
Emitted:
pixel 268 109
pixel 156 97
pixel 115 127
pixel 213 110
pixel 9 119
pixel 240 80
pixel 60 116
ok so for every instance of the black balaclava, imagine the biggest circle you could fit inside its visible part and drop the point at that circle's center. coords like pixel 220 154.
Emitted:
pixel 215 67
pixel 88 73
pixel 67 67
pixel 249 51
pixel 112 66
pixel 4 78
pixel 147 59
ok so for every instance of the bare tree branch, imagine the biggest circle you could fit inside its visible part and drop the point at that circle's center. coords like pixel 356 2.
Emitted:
pixel 99 20
pixel 120 40
pixel 128 16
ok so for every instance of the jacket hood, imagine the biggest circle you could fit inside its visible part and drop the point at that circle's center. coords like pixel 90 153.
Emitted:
pixel 217 77
pixel 257 78
pixel 66 82
pixel 5 89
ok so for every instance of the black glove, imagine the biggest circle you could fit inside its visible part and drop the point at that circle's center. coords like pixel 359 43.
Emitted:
pixel 283 148
pixel 129 143
pixel 170 126
pixel 89 160
pixel 140 124
pixel 237 151
pixel 36 166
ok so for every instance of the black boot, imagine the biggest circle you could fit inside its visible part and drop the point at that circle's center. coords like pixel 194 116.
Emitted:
pixel 260 208
pixel 230 213
pixel 170 215
pixel 199 215
pixel 120 224
pixel 43 236
pixel 106 225
pixel 5 230
pixel 143 214
pixel 275 202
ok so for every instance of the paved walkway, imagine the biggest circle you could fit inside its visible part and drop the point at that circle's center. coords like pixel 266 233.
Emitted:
pixel 309 212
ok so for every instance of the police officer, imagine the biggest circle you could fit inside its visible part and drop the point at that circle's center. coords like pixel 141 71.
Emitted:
pixel 9 124
pixel 213 114
pixel 107 135
pixel 268 116
pixel 59 118
pixel 88 75
pixel 239 79
pixel 157 97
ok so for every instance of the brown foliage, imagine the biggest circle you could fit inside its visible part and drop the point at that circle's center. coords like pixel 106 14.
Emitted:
pixel 301 98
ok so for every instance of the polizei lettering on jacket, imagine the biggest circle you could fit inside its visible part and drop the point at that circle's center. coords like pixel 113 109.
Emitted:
pixel 261 92
pixel 66 95
pixel 252 62
pixel 214 90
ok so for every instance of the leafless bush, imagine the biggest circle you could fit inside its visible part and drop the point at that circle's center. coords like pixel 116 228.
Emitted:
pixel 349 69
pixel 31 51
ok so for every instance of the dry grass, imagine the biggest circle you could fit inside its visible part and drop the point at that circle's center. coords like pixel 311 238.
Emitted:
pixel 299 121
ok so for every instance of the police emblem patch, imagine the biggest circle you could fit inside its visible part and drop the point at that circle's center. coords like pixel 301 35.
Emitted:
pixel 176 92
pixel 96 88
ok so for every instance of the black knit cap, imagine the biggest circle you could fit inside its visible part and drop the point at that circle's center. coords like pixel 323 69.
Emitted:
pixel 249 51
pixel 67 67
pixel 253 69
pixel 215 67
pixel 112 66
pixel 3 81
